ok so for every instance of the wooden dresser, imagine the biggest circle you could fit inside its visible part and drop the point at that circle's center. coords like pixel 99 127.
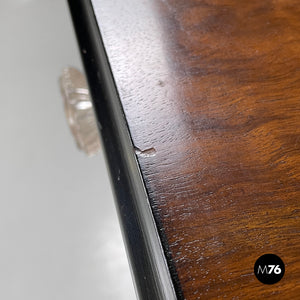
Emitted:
pixel 210 93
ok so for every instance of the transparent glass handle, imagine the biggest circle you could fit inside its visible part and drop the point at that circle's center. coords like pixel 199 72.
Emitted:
pixel 79 110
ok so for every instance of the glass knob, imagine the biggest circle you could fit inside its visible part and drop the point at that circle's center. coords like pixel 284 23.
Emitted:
pixel 79 110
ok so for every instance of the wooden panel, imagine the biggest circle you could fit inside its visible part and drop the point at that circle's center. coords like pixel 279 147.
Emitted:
pixel 211 93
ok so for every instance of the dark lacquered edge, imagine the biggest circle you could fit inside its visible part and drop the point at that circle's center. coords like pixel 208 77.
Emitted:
pixel 147 260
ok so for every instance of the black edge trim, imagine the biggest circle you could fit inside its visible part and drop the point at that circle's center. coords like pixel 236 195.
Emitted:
pixel 146 256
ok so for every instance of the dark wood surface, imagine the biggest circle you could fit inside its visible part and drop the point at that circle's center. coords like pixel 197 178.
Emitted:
pixel 211 91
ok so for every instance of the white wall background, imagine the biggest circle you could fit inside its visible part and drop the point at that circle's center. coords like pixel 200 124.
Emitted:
pixel 60 238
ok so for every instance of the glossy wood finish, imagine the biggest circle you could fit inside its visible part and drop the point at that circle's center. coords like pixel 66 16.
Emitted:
pixel 211 89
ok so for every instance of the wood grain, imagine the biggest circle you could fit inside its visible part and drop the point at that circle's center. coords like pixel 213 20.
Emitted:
pixel 213 88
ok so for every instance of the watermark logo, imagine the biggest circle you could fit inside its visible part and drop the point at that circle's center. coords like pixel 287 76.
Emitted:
pixel 269 269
